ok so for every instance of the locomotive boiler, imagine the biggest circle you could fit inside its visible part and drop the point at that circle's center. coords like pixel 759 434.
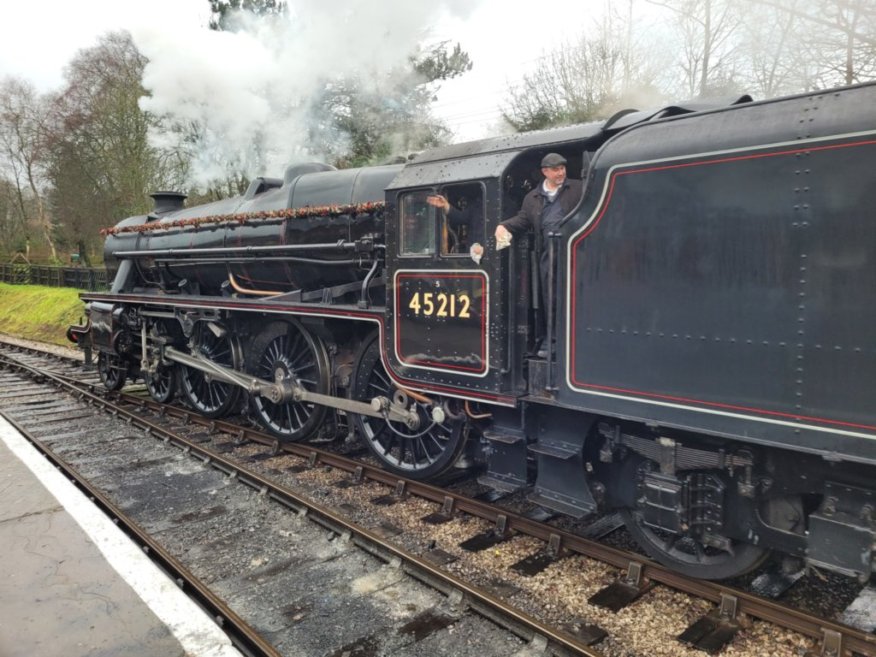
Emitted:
pixel 709 298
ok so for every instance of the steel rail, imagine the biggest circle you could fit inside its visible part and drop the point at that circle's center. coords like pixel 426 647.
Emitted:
pixel 479 599
pixel 768 610
pixel 242 636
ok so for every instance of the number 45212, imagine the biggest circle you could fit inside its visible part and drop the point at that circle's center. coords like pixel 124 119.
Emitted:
pixel 441 304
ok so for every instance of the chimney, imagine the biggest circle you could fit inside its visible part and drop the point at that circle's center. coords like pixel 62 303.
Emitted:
pixel 167 201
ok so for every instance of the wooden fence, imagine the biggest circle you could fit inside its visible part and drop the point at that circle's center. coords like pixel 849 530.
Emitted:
pixel 81 278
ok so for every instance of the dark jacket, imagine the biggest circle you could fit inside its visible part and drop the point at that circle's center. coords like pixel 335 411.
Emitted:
pixel 533 204
pixel 471 216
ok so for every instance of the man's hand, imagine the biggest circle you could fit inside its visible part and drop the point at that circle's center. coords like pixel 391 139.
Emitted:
pixel 503 237
pixel 438 202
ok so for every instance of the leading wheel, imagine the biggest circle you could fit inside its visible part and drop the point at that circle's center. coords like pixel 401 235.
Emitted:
pixel 161 384
pixel 209 397
pixel 286 351
pixel 421 453
pixel 112 371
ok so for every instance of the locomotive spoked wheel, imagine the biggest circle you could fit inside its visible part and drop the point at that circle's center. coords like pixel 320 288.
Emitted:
pixel 421 453
pixel 161 384
pixel 112 371
pixel 288 351
pixel 206 395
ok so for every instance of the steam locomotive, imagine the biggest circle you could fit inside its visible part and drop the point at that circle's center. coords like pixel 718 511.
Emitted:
pixel 711 301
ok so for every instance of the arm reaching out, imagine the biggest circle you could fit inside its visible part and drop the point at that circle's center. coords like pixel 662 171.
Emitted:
pixel 439 202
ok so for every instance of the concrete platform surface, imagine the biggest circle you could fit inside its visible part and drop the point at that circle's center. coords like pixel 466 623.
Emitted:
pixel 73 585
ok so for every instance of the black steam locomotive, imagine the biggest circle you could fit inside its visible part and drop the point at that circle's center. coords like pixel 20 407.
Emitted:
pixel 712 306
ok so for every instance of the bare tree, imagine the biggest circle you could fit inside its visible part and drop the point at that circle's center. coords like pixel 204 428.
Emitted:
pixel 844 49
pixel 838 37
pixel 23 140
pixel 374 116
pixel 773 58
pixel 583 81
pixel 103 167
pixel 707 29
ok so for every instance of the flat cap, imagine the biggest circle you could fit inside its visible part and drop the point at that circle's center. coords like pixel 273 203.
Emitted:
pixel 552 160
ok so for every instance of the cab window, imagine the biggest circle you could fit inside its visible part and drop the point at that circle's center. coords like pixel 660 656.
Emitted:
pixel 417 230
pixel 462 224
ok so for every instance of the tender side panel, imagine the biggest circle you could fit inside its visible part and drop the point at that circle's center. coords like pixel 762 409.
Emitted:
pixel 837 284
pixel 734 283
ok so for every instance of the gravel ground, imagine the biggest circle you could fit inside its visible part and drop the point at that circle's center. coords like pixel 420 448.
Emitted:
pixel 559 594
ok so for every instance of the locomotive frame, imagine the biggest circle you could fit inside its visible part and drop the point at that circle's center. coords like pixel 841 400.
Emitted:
pixel 713 370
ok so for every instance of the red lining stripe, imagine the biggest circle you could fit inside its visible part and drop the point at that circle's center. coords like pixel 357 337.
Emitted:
pixel 498 399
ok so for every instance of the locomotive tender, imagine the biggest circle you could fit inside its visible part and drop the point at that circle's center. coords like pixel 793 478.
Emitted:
pixel 714 368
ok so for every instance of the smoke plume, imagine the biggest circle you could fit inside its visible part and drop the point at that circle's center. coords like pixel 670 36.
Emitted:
pixel 245 93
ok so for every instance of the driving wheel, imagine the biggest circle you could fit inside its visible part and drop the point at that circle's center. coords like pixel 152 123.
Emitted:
pixel 206 395
pixel 286 351
pixel 423 452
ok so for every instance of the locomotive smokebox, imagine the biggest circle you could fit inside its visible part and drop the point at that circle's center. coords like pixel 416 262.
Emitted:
pixel 168 201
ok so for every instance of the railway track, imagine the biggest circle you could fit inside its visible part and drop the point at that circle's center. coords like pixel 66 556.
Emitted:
pixel 549 588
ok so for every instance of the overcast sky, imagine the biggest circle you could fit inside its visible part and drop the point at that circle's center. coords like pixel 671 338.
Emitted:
pixel 503 37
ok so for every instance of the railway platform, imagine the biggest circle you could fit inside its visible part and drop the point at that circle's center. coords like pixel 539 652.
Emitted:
pixel 72 584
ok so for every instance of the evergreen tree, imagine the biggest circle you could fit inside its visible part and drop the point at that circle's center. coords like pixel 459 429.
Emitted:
pixel 374 119
pixel 222 11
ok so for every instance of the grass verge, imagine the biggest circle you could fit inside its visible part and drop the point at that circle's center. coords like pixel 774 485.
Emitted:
pixel 39 313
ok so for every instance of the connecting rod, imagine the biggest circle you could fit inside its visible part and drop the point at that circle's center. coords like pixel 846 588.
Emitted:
pixel 286 390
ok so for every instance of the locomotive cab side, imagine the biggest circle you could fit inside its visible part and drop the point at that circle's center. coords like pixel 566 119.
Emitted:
pixel 461 313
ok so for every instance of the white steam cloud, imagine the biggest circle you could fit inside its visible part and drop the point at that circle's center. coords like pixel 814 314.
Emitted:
pixel 247 91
